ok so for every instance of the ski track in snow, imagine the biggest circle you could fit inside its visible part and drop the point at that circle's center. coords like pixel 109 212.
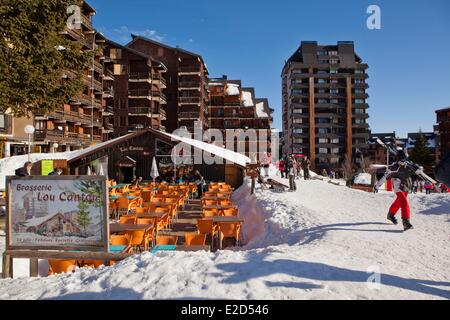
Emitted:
pixel 316 243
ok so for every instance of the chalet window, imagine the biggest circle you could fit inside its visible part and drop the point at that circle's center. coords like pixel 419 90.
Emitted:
pixel 115 53
pixel 119 69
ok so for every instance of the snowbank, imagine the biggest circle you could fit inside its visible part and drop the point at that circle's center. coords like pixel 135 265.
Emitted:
pixel 9 165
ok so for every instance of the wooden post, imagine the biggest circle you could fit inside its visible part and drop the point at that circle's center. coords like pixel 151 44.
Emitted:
pixel 7 266
pixel 34 267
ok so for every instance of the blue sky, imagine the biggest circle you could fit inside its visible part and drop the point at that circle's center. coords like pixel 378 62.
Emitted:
pixel 409 58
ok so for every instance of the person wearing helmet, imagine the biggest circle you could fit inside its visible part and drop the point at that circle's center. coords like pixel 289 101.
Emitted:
pixel 401 175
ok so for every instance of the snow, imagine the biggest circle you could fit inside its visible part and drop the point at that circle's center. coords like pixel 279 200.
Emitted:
pixel 232 89
pixel 223 153
pixel 247 99
pixel 321 242
pixel 364 179
pixel 260 112
pixel 9 165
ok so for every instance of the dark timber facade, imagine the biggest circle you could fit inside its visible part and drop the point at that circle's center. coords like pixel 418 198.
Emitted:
pixel 325 103
pixel 443 119
pixel 187 85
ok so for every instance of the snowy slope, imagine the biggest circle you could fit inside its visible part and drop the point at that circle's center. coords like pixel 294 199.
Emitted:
pixel 316 243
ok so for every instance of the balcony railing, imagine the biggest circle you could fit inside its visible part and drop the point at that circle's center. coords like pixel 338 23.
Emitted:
pixel 141 93
pixel 140 76
pixel 158 77
pixel 188 115
pixel 189 84
pixel 86 21
pixel 189 100
pixel 189 69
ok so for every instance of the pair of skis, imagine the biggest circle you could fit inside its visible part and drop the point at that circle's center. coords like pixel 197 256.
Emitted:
pixel 414 166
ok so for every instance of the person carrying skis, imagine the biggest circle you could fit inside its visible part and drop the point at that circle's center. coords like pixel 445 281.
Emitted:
pixel 401 175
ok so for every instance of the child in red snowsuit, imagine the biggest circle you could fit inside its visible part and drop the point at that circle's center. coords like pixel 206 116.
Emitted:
pixel 401 176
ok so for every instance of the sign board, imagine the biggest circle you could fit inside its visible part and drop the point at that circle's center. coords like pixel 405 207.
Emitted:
pixel 57 213
pixel 46 167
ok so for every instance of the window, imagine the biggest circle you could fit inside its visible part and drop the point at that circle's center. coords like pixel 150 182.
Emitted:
pixel 360 101
pixel 323 150
pixel 115 53
pixel 323 130
pixel 359 81
pixel 323 140
pixel 321 81
pixel 361 91
pixel 322 53
pixel 359 111
pixel 335 150
pixel 334 81
pixel 119 69
pixel 298 130
pixel 359 71
pixel 2 121
pixel 297 91
pixel 334 91
pixel 297 111
pixel 298 120
pixel 333 70
pixel 360 121
pixel 334 61
pixel 332 53
pixel 321 91
pixel 323 101
pixel 298 140
pixel 335 140
pixel 335 101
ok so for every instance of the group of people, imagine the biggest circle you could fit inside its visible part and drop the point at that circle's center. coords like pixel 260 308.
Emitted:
pixel 28 166
pixel 419 185
pixel 291 166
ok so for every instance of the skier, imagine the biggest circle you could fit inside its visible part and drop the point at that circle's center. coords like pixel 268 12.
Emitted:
pixel 401 175
pixel 305 166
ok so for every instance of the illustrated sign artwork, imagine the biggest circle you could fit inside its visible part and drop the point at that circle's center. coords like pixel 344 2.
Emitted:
pixel 57 212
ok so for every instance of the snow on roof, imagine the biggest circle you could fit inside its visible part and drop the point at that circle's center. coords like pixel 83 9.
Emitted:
pixel 223 153
pixel 260 110
pixel 247 99
pixel 38 221
pixel 78 153
pixel 215 84
pixel 232 89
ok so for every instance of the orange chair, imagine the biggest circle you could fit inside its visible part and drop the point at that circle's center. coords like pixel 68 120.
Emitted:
pixel 210 212
pixel 193 239
pixel 119 240
pixel 229 230
pixel 91 263
pixel 138 239
pixel 135 193
pixel 61 266
pixel 210 202
pixel 223 195
pixel 130 219
pixel 145 221
pixel 123 205
pixel 231 212
pixel 157 199
pixel 225 202
pixel 163 222
pixel 206 226
pixel 140 210
pixel 147 196
pixel 150 236
pixel 112 208
pixel 166 240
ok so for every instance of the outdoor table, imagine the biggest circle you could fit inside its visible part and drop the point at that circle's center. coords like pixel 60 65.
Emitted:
pixel 219 207
pixel 215 198
pixel 128 197
pixel 179 248
pixel 117 227
pixel 120 185
pixel 117 249
pixel 162 204
pixel 151 215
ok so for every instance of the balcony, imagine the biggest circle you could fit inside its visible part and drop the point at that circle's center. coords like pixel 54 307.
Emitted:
pixel 137 127
pixel 188 115
pixel 189 100
pixel 140 111
pixel 159 97
pixel 108 93
pixel 48 135
pixel 108 111
pixel 98 67
pixel 140 94
pixel 140 77
pixel 189 70
pixel 76 34
pixel 159 80
pixel 86 21
pixel 189 85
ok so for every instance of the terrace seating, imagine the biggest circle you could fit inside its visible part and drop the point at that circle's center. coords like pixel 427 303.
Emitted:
pixel 166 240
pixel 231 212
pixel 129 219
pixel 230 230
pixel 193 239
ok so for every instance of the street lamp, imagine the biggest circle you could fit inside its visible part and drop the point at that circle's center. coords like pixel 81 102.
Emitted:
pixel 55 147
pixel 29 130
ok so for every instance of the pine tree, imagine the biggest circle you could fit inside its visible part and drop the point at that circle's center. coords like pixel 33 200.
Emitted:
pixel 34 55
pixel 83 218
pixel 421 154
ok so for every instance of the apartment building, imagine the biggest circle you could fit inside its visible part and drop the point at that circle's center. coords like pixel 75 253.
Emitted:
pixel 136 96
pixel 235 107
pixel 79 122
pixel 443 131
pixel 325 103
pixel 13 139
pixel 187 85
